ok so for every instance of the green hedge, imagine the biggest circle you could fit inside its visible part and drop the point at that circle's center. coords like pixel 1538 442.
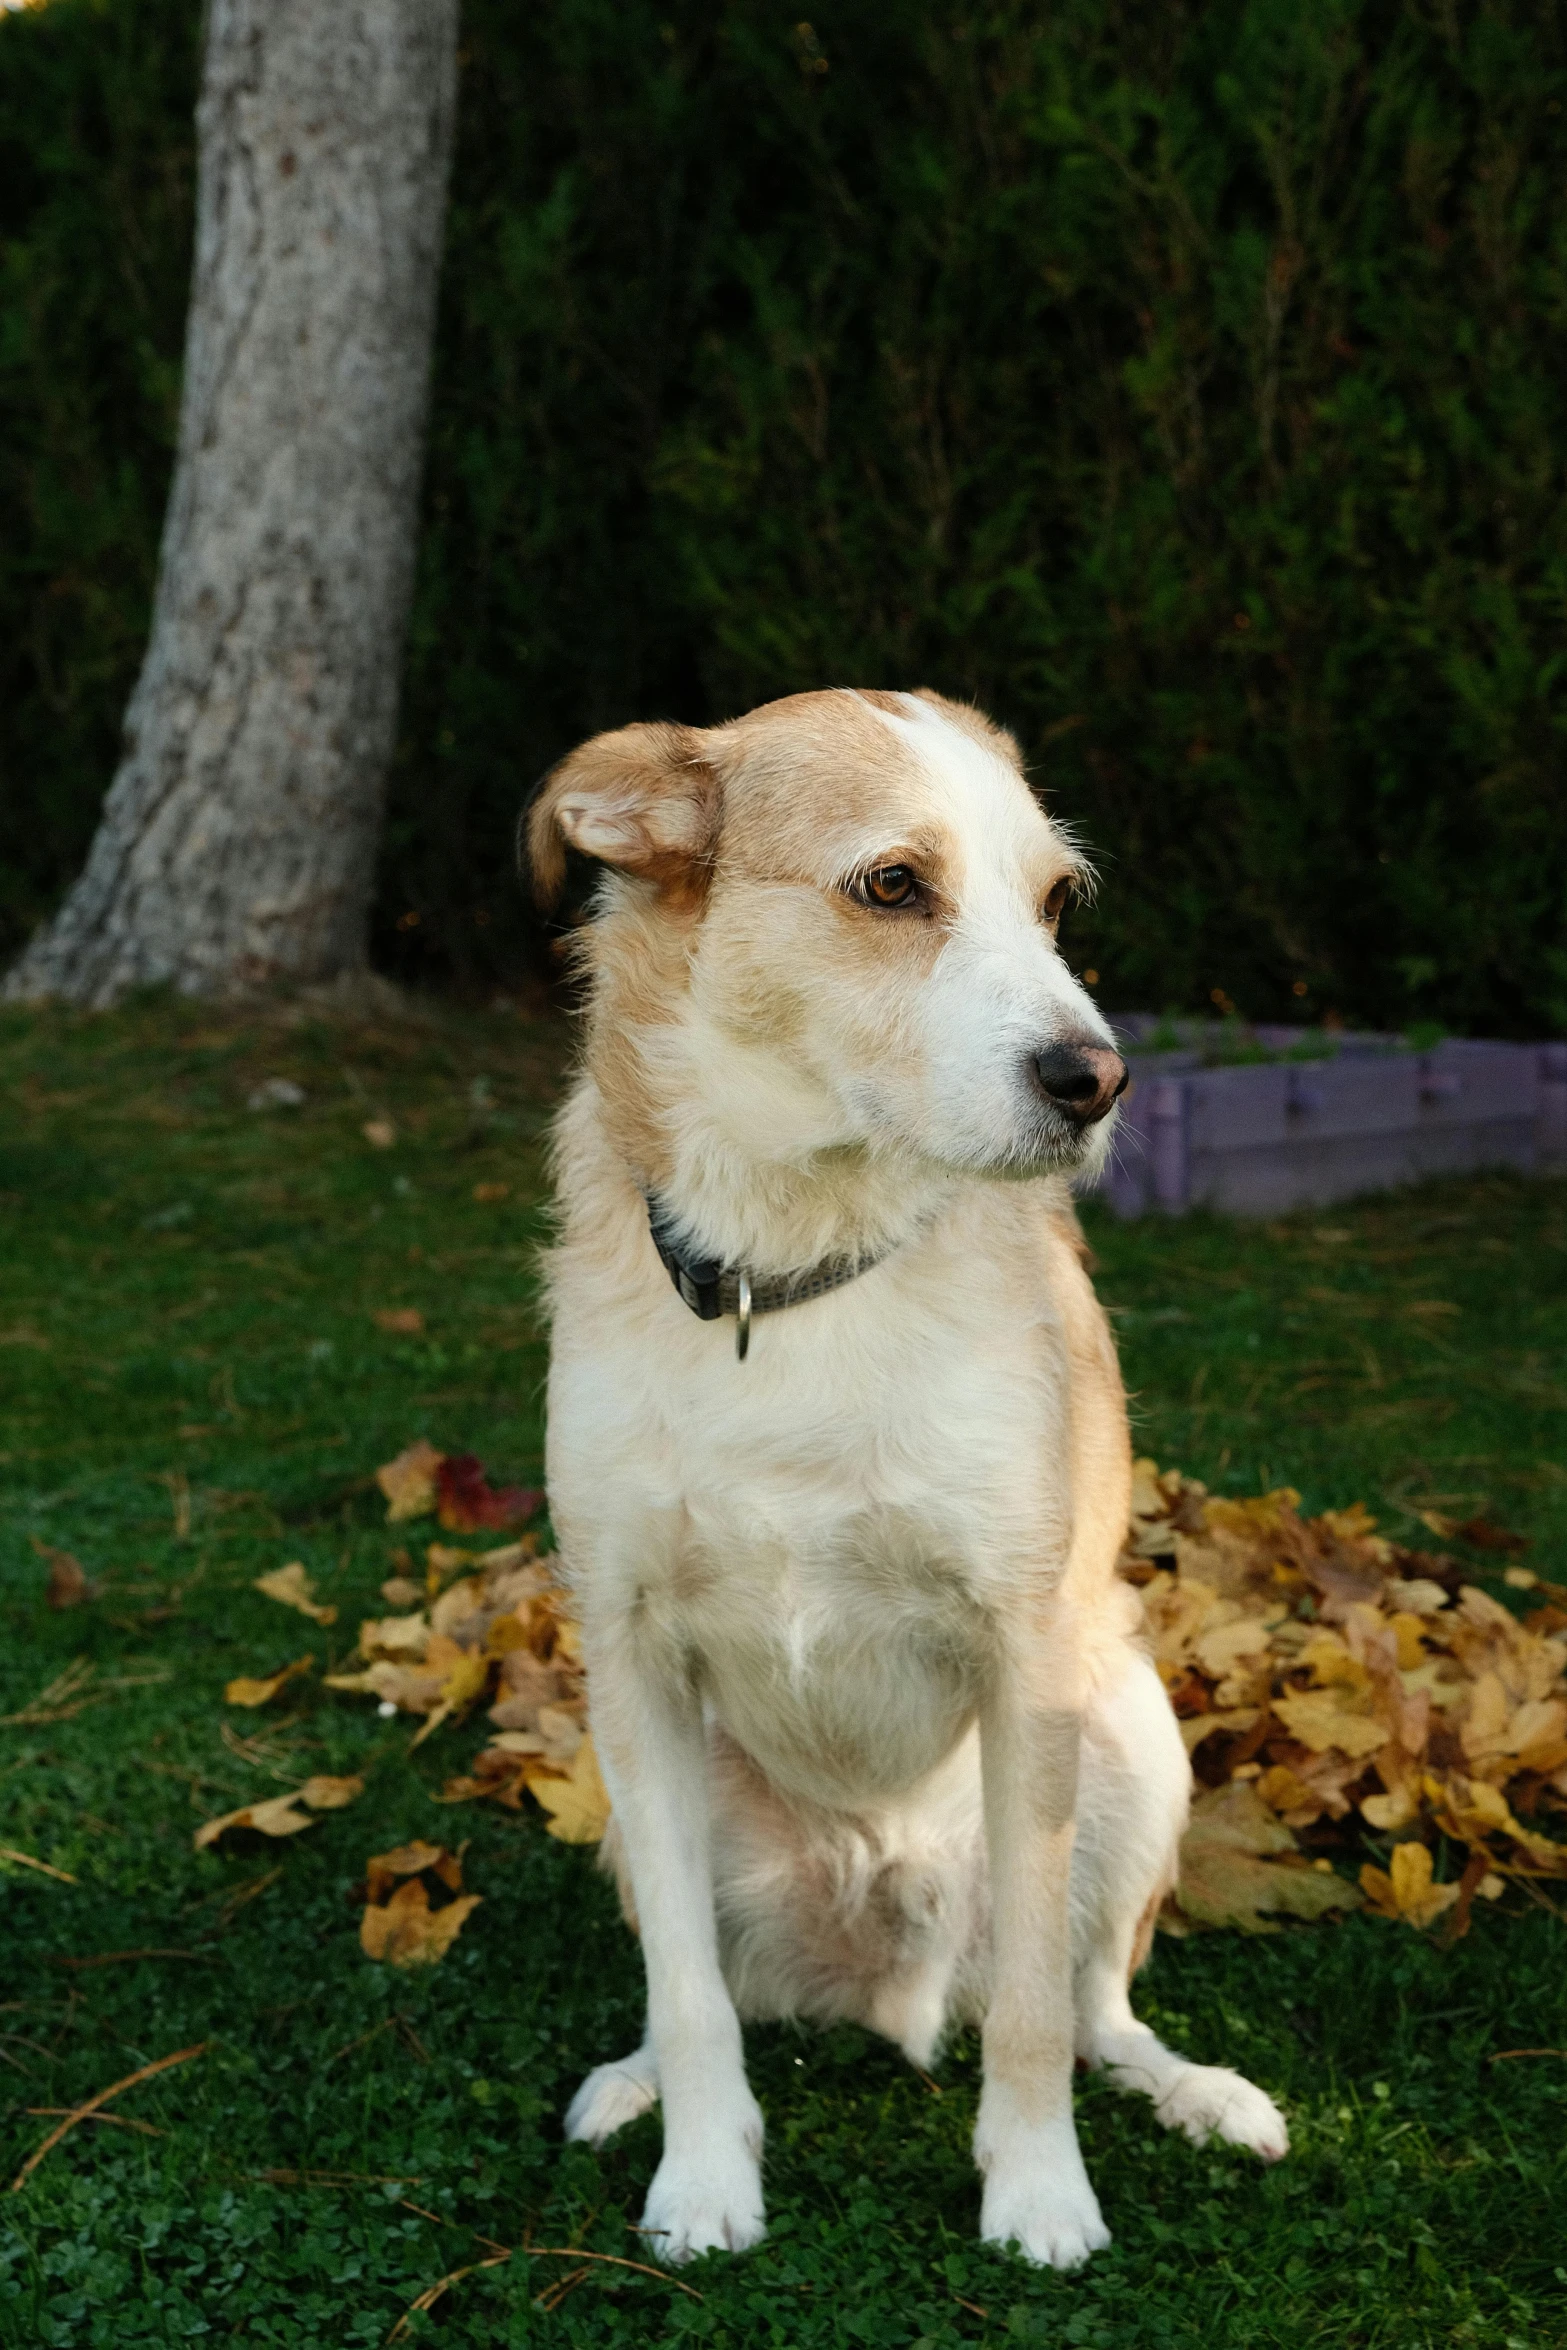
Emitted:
pixel 1188 384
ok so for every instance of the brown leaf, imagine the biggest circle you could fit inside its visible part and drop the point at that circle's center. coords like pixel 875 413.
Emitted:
pixel 1230 1875
pixel 380 1133
pixel 1480 1534
pixel 409 1481
pixel 323 1793
pixel 293 1587
pixel 246 1691
pixel 487 1193
pixel 399 1321
pixel 68 1585
pixel 407 1932
pixel 279 1815
pixel 383 1869
pixel 399 1924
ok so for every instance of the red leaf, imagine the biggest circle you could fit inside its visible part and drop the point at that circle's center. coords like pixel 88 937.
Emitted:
pixel 468 1502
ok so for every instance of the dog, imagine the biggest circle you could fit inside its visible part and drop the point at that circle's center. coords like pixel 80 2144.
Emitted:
pixel 837 1445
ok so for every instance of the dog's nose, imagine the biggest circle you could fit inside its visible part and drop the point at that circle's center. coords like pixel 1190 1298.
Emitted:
pixel 1084 1080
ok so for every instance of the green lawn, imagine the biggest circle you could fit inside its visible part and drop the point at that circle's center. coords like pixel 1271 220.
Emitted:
pixel 194 1390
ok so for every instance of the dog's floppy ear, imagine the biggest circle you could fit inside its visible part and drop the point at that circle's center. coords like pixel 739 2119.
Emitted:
pixel 643 799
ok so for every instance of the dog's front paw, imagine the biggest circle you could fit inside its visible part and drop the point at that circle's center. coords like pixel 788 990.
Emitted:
pixel 1055 2222
pixel 710 2204
pixel 1209 2101
pixel 611 2096
pixel 1037 2194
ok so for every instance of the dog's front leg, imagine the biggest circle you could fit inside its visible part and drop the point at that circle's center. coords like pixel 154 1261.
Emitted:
pixel 1037 2193
pixel 706 2194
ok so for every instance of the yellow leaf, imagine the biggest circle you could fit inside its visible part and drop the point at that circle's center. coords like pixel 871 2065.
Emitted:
pixel 293 1587
pixel 1219 1651
pixel 409 1481
pixel 465 1680
pixel 402 1638
pixel 324 1793
pixel 578 1804
pixel 1321 1718
pixel 505 1634
pixel 1230 1720
pixel 246 1691
pixel 1394 1810
pixel 1407 1893
pixel 277 1816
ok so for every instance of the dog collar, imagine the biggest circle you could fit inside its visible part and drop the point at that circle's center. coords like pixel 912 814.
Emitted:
pixel 712 1289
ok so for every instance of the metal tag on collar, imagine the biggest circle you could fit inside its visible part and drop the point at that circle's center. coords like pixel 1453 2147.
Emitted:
pixel 743 1320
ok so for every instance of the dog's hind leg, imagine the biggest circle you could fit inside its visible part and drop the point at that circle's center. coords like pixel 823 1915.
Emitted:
pixel 1133 1796
pixel 612 2095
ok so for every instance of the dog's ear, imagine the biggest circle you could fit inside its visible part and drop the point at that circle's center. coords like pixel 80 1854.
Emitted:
pixel 643 799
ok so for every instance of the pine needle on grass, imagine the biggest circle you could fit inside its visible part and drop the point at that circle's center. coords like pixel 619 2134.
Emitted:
pixel 81 2113
pixel 25 1860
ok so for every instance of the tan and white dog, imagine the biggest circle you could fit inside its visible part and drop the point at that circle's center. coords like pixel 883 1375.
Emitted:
pixel 879 1735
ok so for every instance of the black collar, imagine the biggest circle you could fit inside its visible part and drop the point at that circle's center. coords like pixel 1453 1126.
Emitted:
pixel 712 1289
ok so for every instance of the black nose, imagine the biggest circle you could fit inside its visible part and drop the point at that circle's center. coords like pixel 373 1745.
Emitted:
pixel 1084 1080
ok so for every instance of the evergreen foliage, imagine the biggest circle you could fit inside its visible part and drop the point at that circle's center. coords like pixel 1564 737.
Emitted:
pixel 1186 384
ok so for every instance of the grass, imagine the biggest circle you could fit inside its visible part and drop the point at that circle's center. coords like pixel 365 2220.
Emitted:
pixel 194 1390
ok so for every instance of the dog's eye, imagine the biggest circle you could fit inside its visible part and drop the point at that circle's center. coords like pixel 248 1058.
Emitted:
pixel 889 885
pixel 1055 900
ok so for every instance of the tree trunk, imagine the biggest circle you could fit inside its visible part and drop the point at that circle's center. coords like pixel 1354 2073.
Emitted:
pixel 237 842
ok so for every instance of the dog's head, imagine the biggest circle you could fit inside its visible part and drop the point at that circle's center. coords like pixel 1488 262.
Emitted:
pixel 833 924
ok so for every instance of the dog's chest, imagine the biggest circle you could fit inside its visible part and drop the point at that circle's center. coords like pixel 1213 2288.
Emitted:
pixel 845 1521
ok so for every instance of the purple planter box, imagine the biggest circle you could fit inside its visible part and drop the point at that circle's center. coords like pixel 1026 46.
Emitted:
pixel 1263 1137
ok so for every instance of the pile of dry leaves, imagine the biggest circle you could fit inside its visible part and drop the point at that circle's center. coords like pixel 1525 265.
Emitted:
pixel 1329 1681
pixel 1331 1686
pixel 499 1634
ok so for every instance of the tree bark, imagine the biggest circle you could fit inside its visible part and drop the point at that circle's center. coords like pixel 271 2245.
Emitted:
pixel 238 839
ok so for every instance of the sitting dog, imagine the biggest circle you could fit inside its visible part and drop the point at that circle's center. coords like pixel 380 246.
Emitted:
pixel 838 1452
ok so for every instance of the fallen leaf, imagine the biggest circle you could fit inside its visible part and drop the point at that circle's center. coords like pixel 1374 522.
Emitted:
pixel 383 1869
pixel 468 1502
pixel 407 1932
pixel 246 1691
pixel 486 1193
pixel 380 1133
pixel 578 1804
pixel 399 1924
pixel 400 1591
pixel 1404 1891
pixel 323 1793
pixel 279 1815
pixel 1231 1874
pixel 68 1585
pixel 1323 1718
pixel 292 1586
pixel 1480 1534
pixel 399 1321
pixel 409 1481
